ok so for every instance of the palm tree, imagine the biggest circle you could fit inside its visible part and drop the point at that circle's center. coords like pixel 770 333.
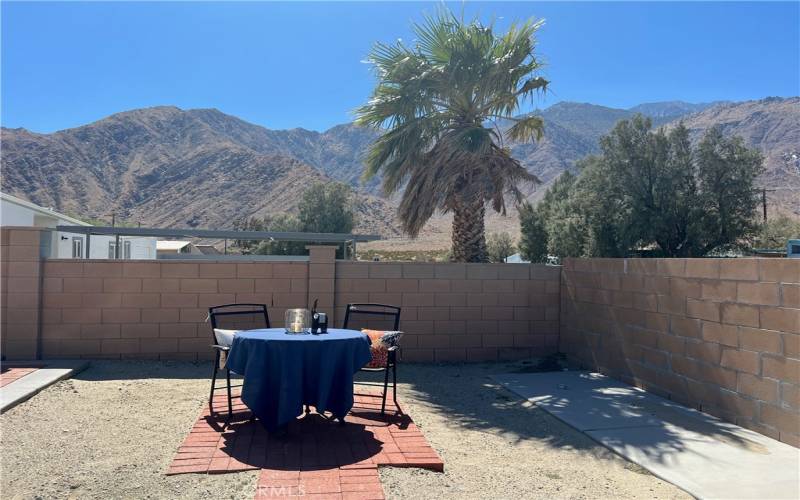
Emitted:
pixel 443 102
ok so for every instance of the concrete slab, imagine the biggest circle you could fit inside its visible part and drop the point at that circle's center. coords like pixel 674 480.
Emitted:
pixel 27 386
pixel 697 452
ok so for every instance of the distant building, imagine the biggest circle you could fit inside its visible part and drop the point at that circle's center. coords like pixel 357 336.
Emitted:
pixel 168 248
pixel 208 250
pixel 18 212
pixel 516 259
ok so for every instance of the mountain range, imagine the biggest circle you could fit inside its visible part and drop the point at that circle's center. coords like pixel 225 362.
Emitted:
pixel 169 167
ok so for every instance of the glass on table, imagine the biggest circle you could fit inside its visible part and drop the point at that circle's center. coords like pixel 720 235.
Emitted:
pixel 297 321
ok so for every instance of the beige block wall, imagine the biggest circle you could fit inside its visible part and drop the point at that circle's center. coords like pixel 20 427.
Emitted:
pixel 461 312
pixel 154 309
pixel 20 285
pixel 721 335
pixel 157 309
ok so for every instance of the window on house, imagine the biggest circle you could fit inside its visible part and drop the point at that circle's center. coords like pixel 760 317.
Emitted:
pixel 112 250
pixel 126 250
pixel 77 247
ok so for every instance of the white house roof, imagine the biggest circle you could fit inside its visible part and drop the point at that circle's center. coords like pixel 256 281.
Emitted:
pixel 170 245
pixel 515 259
pixel 42 210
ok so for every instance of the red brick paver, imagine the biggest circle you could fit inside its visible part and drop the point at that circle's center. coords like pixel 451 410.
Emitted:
pixel 318 458
pixel 346 483
pixel 12 374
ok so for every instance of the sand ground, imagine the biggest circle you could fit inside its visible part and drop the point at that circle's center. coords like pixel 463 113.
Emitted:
pixel 111 432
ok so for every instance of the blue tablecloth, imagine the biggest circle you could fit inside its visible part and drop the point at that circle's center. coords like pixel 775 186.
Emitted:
pixel 284 372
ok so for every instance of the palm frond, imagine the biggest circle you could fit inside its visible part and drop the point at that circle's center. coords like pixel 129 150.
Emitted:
pixel 527 129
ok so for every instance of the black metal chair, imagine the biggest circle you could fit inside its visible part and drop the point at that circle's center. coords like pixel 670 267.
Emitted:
pixel 382 312
pixel 231 316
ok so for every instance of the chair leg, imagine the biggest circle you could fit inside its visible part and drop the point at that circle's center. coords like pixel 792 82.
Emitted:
pixel 394 386
pixel 230 397
pixel 213 383
pixel 385 390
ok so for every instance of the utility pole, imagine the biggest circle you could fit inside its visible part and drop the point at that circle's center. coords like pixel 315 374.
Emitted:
pixel 764 201
pixel 116 238
pixel 113 218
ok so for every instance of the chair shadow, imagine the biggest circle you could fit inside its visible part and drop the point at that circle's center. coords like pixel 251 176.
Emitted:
pixel 313 441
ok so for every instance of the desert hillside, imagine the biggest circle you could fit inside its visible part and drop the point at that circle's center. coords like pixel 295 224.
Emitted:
pixel 169 167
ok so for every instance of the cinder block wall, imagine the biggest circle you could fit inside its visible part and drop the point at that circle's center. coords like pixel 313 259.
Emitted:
pixel 721 335
pixel 157 309
pixel 151 309
pixel 461 312
pixel 20 284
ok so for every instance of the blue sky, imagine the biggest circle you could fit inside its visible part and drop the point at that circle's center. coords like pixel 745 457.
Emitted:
pixel 285 65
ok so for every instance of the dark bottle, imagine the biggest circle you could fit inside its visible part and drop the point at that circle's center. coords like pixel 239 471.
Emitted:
pixel 315 319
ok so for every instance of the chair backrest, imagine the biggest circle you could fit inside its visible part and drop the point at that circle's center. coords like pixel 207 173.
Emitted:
pixel 372 316
pixel 238 317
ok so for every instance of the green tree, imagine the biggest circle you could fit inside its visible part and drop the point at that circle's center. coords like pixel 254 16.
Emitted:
pixel 651 190
pixel 645 183
pixel 324 208
pixel 327 208
pixel 533 234
pixel 441 101
pixel 499 246
pixel 281 223
pixel 566 230
pixel 774 233
pixel 727 171
pixel 247 224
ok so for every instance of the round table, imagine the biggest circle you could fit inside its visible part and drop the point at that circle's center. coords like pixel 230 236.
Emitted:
pixel 284 372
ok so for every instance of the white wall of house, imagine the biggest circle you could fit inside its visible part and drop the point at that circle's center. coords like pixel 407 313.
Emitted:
pixel 18 212
pixel 71 245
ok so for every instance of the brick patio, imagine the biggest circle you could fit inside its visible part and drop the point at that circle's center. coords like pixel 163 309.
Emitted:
pixel 346 483
pixel 318 457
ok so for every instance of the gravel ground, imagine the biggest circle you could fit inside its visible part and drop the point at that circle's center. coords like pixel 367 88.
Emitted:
pixel 111 432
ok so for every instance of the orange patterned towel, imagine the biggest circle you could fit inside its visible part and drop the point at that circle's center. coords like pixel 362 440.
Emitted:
pixel 379 350
pixel 381 342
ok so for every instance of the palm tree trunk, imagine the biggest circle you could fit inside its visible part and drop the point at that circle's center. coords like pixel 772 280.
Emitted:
pixel 469 240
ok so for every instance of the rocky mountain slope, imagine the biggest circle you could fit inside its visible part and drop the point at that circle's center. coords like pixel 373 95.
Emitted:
pixel 663 112
pixel 171 168
pixel 165 166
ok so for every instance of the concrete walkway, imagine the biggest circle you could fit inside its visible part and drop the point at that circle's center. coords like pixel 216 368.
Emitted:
pixel 700 454
pixel 26 387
